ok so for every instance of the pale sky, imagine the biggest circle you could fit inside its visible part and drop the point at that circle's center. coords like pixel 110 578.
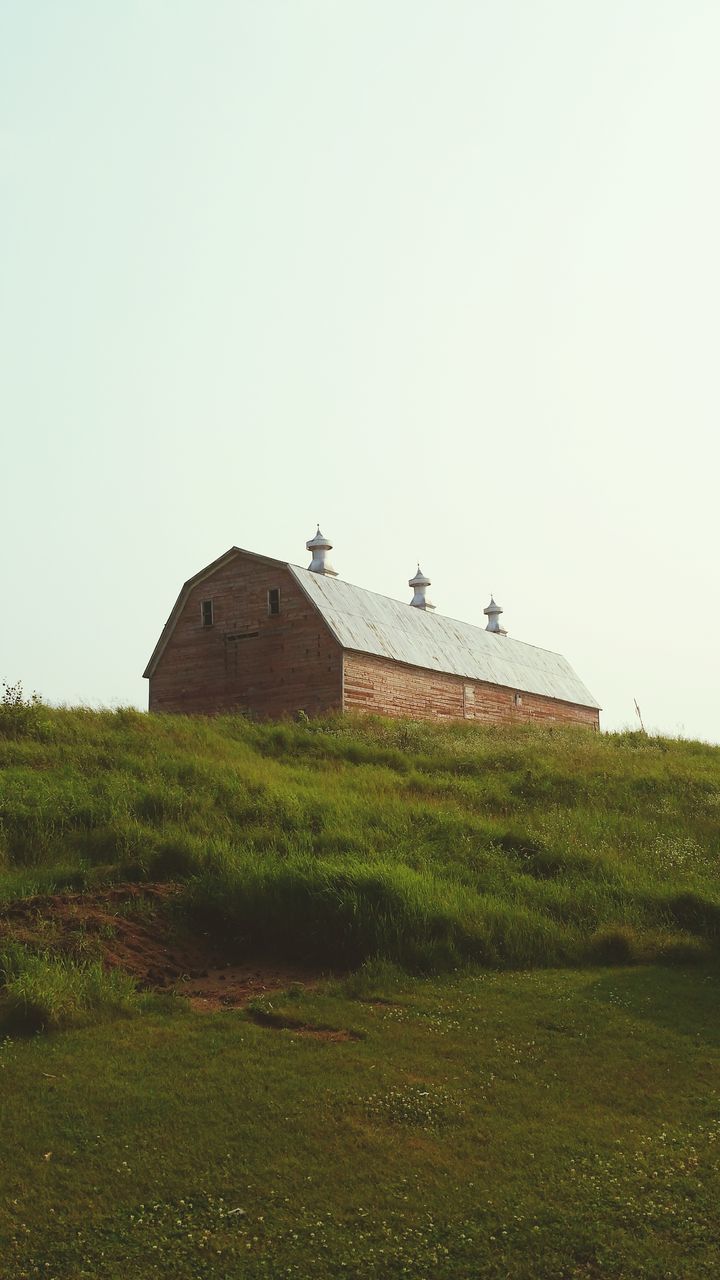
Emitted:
pixel 443 275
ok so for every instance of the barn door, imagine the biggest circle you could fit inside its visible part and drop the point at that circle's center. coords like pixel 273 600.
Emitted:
pixel 469 701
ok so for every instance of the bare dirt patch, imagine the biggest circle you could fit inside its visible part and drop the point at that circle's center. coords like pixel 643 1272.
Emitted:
pixel 234 985
pixel 283 1022
pixel 133 927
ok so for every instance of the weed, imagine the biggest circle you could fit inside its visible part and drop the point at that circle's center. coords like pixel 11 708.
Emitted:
pixel 372 980
pixel 20 716
pixel 426 1107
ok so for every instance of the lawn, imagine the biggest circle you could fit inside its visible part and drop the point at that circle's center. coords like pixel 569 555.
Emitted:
pixel 545 1124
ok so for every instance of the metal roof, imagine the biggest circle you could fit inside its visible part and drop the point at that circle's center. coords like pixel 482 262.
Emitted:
pixel 374 624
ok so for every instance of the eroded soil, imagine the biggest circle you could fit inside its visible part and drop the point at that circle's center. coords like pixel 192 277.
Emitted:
pixel 134 927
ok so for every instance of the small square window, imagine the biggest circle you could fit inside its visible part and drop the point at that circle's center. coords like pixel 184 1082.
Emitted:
pixel 518 699
pixel 206 613
pixel 273 601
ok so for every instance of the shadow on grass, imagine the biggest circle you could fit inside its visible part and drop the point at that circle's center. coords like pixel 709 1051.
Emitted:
pixel 683 1000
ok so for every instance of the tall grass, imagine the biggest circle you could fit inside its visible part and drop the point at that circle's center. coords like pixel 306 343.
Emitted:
pixel 343 839
pixel 342 913
pixel 41 991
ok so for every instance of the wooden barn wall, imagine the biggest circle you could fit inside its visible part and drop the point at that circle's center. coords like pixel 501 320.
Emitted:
pixel 248 660
pixel 394 689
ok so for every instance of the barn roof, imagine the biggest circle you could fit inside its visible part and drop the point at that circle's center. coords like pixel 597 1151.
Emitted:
pixel 375 624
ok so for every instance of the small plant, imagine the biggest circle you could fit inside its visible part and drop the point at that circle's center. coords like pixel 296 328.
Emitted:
pixel 426 1107
pixel 19 716
pixel 372 980
pixel 259 1007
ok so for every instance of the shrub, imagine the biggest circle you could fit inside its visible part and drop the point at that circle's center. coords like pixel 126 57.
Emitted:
pixel 20 716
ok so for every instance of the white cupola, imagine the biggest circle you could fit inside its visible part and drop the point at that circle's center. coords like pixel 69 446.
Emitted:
pixel 420 584
pixel 493 612
pixel 319 546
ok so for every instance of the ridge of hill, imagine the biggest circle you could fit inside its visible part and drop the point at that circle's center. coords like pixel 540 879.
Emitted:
pixel 334 841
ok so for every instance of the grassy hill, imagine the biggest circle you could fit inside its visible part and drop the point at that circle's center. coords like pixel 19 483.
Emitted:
pixel 464 987
pixel 340 840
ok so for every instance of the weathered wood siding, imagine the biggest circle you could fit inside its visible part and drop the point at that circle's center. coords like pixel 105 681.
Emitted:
pixel 248 660
pixel 395 689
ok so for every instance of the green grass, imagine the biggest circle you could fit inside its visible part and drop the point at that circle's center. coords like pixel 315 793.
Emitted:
pixel 542 1125
pixel 42 991
pixel 338 840
pixel 501 1118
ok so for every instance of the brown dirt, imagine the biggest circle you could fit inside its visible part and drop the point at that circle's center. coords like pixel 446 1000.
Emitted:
pixel 282 1022
pixel 132 928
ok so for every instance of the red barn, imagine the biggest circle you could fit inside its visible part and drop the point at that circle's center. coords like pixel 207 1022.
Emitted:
pixel 257 635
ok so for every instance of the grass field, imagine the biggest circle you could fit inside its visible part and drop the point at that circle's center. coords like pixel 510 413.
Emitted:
pixel 506 1066
pixel 547 1124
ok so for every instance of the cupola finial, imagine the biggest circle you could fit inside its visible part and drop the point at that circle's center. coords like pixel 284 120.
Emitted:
pixel 319 546
pixel 492 613
pixel 420 584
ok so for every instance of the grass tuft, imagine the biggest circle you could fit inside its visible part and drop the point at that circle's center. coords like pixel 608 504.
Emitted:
pixel 615 945
pixel 45 992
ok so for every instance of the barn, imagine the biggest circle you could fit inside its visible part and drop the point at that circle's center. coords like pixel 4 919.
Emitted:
pixel 261 636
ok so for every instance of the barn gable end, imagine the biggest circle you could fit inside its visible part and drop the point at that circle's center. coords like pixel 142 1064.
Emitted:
pixel 251 651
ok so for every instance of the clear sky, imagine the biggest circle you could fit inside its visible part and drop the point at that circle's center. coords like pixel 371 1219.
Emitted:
pixel 443 275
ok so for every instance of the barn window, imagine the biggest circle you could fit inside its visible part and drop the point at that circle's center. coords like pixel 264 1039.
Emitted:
pixel 206 613
pixel 518 699
pixel 273 601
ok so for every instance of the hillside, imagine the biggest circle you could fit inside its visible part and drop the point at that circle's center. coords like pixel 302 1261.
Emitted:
pixel 237 1080
pixel 332 842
